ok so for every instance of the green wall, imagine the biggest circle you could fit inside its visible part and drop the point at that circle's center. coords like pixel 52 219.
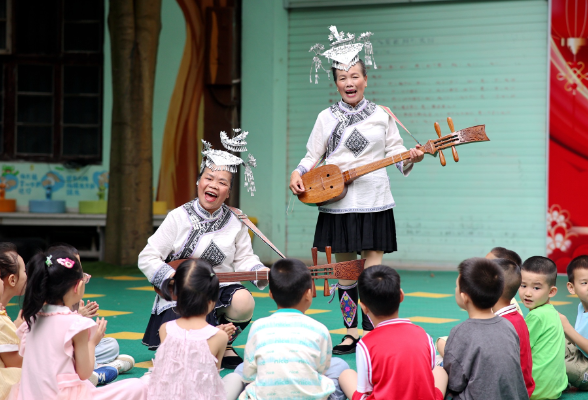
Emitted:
pixel 80 184
pixel 480 62
pixel 263 114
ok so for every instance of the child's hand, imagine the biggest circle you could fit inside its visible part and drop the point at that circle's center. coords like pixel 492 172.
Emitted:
pixel 19 320
pixel 97 337
pixel 90 310
pixel 229 329
pixel 263 282
pixel 441 342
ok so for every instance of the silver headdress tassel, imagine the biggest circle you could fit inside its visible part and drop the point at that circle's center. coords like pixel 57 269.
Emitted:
pixel 368 49
pixel 219 160
pixel 317 63
pixel 344 51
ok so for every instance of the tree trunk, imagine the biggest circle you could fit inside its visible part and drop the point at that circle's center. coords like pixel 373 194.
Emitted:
pixel 134 27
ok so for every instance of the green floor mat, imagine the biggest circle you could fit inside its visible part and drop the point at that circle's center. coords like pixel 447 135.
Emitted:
pixel 126 301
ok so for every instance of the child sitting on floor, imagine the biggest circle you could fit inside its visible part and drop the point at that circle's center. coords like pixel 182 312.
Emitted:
pixel 501 252
pixel 496 252
pixel 504 308
pixel 397 359
pixel 482 355
pixel 288 354
pixel 109 363
pixel 187 361
pixel 577 344
pixel 13 280
pixel 57 344
pixel 545 329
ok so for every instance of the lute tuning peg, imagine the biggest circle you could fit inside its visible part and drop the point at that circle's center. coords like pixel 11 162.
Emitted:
pixel 453 150
pixel 441 156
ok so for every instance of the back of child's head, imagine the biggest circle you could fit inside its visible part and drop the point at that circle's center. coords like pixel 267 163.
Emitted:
pixel 501 252
pixel 482 280
pixel 543 266
pixel 289 279
pixel 512 277
pixel 379 290
pixel 8 260
pixel 50 275
pixel 193 286
pixel 66 246
pixel 580 262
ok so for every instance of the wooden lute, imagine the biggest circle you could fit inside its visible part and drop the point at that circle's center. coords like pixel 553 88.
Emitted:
pixel 327 184
pixel 349 270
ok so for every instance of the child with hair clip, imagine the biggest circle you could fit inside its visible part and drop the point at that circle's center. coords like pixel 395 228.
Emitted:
pixel 187 362
pixel 12 283
pixel 57 344
pixel 109 362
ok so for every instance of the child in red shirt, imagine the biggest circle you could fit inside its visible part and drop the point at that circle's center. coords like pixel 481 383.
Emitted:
pixel 504 308
pixel 397 359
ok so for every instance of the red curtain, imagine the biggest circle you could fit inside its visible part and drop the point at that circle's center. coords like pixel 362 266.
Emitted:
pixel 567 217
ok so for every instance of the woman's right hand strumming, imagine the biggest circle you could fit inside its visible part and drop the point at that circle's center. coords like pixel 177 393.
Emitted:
pixel 296 185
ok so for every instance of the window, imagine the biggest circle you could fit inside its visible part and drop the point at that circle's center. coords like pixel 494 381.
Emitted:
pixel 51 80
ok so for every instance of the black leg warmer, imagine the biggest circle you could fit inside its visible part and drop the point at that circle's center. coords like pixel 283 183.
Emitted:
pixel 348 300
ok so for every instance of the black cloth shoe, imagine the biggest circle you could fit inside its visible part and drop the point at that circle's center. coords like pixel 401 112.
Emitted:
pixel 341 349
pixel 231 362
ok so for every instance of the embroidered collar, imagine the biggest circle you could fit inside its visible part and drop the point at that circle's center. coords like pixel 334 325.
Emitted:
pixel 204 213
pixel 506 310
pixel 394 321
pixel 347 108
pixel 202 223
pixel 363 110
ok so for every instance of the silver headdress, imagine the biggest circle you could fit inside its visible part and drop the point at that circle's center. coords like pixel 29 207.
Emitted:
pixel 344 52
pixel 219 160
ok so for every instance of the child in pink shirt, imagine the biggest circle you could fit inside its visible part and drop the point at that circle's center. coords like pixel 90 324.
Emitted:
pixel 57 344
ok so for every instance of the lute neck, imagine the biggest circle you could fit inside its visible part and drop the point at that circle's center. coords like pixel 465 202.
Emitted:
pixel 354 173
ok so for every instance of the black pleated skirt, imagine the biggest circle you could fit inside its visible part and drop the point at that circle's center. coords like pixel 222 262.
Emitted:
pixel 355 232
pixel 151 338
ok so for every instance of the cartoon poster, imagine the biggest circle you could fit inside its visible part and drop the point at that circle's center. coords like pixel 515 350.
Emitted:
pixel 567 215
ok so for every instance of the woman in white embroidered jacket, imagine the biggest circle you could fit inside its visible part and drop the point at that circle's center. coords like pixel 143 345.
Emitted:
pixel 351 133
pixel 206 228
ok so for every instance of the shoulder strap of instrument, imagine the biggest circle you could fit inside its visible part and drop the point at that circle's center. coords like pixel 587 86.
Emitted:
pixel 243 218
pixel 390 113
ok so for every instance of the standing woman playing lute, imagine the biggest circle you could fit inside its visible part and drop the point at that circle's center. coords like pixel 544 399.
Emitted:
pixel 350 133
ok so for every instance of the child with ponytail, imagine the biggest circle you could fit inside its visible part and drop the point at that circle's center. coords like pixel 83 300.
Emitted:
pixel 57 344
pixel 12 283
pixel 186 363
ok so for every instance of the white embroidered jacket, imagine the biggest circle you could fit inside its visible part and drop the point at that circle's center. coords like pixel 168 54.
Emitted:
pixel 351 137
pixel 191 231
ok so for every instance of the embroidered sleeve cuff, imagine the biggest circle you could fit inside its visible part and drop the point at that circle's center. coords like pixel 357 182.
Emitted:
pixel 261 284
pixel 161 275
pixel 301 170
pixel 404 168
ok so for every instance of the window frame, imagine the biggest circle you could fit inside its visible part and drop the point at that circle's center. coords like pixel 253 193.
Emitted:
pixel 8 68
pixel 9 24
